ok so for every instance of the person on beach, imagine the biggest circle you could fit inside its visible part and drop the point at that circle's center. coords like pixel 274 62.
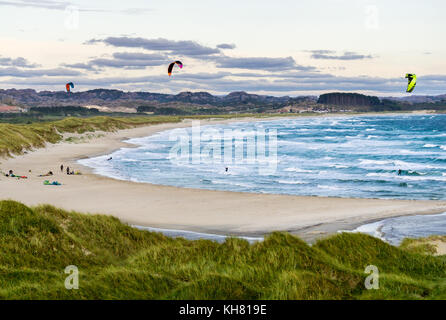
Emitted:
pixel 61 168
pixel 68 170
pixel 50 173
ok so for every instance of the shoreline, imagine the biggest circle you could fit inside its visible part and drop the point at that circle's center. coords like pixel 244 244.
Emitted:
pixel 196 210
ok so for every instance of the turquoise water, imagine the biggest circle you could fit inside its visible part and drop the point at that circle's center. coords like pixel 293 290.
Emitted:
pixel 339 156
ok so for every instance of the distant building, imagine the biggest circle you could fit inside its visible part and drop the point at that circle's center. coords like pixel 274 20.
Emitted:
pixel 9 109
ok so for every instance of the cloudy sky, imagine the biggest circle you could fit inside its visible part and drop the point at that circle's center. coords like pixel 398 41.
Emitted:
pixel 281 47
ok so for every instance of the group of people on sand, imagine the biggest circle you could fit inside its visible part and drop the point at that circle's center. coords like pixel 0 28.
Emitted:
pixel 69 172
pixel 10 173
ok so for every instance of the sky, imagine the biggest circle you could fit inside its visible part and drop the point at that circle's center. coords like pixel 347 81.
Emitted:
pixel 281 47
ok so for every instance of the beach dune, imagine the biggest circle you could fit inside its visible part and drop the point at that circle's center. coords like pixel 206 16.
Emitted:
pixel 219 212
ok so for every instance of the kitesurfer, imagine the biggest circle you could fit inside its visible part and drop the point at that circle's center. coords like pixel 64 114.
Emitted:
pixel 411 81
pixel 169 69
pixel 68 85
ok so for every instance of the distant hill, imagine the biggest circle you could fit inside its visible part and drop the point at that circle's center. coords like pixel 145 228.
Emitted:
pixel 420 99
pixel 105 97
pixel 187 103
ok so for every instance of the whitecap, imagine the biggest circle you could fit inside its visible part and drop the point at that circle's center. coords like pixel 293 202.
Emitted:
pixel 291 182
pixel 339 166
pixel 294 169
pixel 328 187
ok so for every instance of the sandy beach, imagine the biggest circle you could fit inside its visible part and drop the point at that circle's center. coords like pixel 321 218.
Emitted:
pixel 218 212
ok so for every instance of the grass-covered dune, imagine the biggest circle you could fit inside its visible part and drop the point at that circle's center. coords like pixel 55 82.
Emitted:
pixel 17 138
pixel 116 261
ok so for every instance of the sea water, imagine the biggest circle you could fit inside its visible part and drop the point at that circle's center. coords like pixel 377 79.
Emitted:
pixel 339 156
pixel 394 230
pixel 387 157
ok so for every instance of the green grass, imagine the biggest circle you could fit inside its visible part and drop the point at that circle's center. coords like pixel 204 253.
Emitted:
pixel 16 138
pixel 116 261
pixel 423 245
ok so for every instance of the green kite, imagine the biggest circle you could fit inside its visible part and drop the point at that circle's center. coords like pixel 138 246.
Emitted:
pixel 411 81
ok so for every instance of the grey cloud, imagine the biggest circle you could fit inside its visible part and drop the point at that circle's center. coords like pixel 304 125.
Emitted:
pixel 286 76
pixel 84 66
pixel 322 51
pixel 45 4
pixel 331 55
pixel 17 62
pixel 186 47
pixel 256 63
pixel 126 60
pixel 117 63
pixel 20 73
pixel 431 78
pixel 138 56
pixel 62 5
pixel 200 52
pixel 226 46
pixel 202 76
pixel 93 41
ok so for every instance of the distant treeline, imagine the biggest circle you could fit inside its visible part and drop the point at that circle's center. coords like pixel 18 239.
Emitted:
pixel 64 111
pixel 43 114
pixel 177 111
pixel 348 99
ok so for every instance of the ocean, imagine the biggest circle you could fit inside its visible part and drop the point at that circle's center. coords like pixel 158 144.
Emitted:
pixel 387 157
pixel 394 230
